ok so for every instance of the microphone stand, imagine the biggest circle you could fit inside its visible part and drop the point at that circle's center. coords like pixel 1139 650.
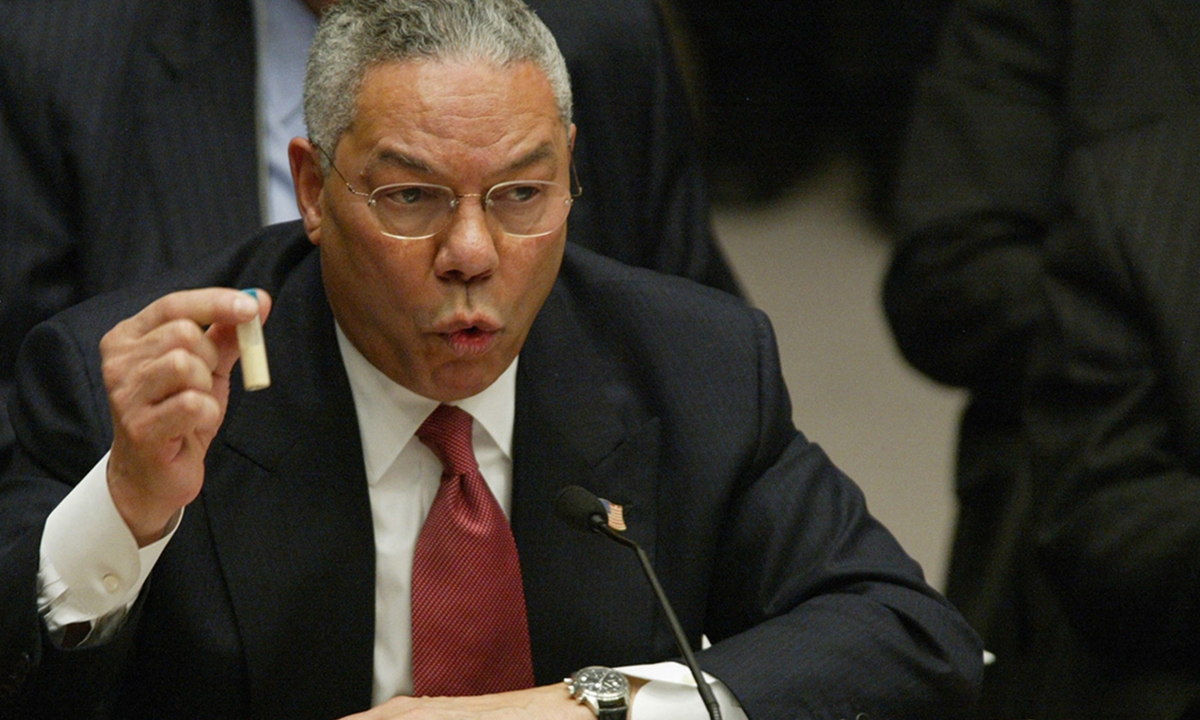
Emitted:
pixel 600 525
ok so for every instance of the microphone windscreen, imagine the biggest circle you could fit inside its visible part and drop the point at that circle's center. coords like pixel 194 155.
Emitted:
pixel 579 507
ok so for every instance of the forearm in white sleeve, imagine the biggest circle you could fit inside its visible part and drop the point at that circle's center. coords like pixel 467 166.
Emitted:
pixel 91 567
pixel 671 694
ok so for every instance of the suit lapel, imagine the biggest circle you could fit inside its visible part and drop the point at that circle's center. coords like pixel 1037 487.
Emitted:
pixel 578 423
pixel 291 521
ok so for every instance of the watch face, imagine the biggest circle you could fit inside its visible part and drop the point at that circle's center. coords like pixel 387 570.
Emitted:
pixel 602 683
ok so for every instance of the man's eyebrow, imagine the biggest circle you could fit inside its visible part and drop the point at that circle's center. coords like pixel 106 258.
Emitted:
pixel 389 157
pixel 545 151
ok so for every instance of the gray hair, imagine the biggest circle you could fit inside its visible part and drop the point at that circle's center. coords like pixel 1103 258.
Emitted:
pixel 355 35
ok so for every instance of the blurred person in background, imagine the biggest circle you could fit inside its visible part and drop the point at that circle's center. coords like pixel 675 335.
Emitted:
pixel 1113 413
pixel 1018 87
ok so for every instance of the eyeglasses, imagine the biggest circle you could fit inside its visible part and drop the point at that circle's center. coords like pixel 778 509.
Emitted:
pixel 415 211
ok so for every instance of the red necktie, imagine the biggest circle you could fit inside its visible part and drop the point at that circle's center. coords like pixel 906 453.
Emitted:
pixel 470 633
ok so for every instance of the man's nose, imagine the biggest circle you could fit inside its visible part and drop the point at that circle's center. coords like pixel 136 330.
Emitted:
pixel 468 248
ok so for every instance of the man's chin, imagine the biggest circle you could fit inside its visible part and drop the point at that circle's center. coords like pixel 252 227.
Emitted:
pixel 464 379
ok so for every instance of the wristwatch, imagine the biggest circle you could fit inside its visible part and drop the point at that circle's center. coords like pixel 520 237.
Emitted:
pixel 602 689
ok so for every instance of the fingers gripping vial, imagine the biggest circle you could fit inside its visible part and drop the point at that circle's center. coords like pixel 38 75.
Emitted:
pixel 255 373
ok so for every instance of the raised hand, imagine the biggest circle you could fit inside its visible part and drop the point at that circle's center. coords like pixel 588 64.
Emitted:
pixel 167 370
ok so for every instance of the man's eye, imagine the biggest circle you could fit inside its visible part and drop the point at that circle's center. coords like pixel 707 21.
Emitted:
pixel 517 194
pixel 412 195
pixel 408 195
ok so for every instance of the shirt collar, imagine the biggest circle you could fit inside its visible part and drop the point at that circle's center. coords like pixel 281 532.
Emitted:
pixel 390 414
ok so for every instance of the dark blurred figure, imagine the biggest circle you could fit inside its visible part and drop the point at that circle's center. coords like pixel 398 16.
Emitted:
pixel 785 86
pixel 1114 420
pixel 129 143
pixel 1019 86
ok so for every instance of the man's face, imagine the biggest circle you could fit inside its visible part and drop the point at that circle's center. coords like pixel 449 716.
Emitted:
pixel 443 316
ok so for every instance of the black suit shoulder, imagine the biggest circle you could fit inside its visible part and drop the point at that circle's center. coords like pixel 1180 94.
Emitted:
pixel 673 335
pixel 594 278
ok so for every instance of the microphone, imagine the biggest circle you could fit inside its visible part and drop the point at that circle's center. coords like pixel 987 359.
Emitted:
pixel 585 511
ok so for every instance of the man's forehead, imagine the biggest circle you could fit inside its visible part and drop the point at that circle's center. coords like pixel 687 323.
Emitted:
pixel 388 155
pixel 409 111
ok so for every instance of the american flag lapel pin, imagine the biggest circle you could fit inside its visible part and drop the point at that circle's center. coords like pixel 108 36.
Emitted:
pixel 616 515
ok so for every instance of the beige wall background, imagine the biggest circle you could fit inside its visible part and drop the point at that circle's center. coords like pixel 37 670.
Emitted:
pixel 815 263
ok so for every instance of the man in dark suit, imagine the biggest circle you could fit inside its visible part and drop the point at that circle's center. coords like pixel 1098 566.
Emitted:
pixel 435 189
pixel 1113 412
pixel 1018 86
pixel 129 144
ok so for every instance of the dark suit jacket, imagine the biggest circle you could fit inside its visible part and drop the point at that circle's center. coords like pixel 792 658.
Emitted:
pixel 1019 85
pixel 128 145
pixel 1114 419
pixel 651 391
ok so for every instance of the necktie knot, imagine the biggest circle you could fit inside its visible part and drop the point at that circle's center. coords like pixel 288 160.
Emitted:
pixel 447 432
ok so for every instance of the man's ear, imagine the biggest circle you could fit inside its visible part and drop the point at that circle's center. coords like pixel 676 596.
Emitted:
pixel 309 180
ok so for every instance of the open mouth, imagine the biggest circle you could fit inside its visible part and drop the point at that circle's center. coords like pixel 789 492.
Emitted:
pixel 472 340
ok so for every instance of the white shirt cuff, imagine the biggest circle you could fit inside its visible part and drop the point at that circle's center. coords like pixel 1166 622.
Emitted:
pixel 671 694
pixel 91 566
